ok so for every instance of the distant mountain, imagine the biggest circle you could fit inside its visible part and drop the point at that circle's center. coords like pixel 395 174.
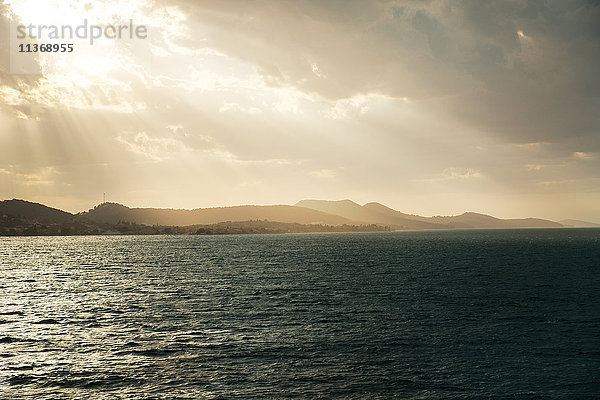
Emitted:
pixel 113 213
pixel 372 213
pixel 29 210
pixel 475 220
pixel 378 213
pixel 24 217
pixel 575 223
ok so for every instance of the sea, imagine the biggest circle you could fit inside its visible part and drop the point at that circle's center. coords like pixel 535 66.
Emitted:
pixel 464 314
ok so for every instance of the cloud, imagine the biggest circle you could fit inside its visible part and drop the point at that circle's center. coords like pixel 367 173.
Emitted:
pixel 156 149
pixel 236 107
pixel 352 106
pixel 324 173
pixel 451 174
pixel 498 66
pixel 461 173
pixel 275 99
pixel 13 88
pixel 583 155
pixel 32 177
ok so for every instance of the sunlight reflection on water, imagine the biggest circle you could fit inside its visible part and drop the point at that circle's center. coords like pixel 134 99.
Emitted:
pixel 380 315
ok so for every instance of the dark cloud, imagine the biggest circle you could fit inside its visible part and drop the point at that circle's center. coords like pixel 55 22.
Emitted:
pixel 524 70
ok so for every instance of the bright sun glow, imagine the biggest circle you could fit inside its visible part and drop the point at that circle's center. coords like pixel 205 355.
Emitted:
pixel 97 70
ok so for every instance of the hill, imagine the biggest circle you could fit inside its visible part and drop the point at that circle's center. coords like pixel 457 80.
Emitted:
pixel 372 213
pixel 113 213
pixel 575 223
pixel 378 213
pixel 20 217
pixel 29 210
pixel 23 217
pixel 476 220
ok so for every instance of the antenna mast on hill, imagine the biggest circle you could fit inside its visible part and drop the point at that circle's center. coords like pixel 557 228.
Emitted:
pixel 104 198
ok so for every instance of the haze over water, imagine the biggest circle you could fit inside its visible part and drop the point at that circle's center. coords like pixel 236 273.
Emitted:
pixel 462 314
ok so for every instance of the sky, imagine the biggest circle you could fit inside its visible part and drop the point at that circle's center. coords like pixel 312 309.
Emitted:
pixel 429 107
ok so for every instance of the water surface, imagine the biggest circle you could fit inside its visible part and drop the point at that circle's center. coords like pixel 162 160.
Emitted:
pixel 436 315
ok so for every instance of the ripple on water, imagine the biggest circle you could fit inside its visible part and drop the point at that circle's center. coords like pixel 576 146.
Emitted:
pixel 46 321
pixel 470 314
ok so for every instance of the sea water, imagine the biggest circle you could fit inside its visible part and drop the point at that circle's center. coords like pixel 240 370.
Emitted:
pixel 409 315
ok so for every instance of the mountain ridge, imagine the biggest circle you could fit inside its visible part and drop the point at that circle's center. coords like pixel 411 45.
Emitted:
pixel 307 212
pixel 576 223
pixel 370 213
pixel 114 212
pixel 23 218
pixel 378 213
pixel 24 208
